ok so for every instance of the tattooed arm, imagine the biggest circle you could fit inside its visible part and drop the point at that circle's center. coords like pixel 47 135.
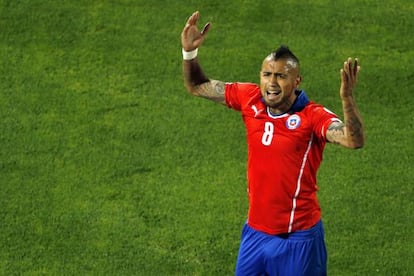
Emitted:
pixel 349 134
pixel 199 85
pixel 195 80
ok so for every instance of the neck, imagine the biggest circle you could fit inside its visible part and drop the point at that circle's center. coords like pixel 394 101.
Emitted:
pixel 276 111
pixel 282 107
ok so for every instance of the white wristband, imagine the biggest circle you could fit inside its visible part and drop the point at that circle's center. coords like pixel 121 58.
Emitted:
pixel 190 55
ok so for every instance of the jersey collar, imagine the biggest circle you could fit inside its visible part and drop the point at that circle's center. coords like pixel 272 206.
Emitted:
pixel 301 101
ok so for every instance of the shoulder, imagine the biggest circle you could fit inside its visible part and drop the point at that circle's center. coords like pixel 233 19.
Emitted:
pixel 319 109
pixel 239 93
pixel 321 118
pixel 245 87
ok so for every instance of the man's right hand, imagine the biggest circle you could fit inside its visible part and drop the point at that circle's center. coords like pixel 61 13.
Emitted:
pixel 191 37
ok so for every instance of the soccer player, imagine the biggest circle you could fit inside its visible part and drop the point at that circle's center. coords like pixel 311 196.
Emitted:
pixel 286 134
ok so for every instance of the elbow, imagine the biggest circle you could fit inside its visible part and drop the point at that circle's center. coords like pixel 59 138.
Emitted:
pixel 353 146
pixel 358 146
pixel 356 137
pixel 357 143
pixel 195 88
pixel 191 89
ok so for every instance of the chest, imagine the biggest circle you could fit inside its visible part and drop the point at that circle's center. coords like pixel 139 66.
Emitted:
pixel 286 134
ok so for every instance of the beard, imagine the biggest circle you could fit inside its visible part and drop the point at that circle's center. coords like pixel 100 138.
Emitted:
pixel 277 106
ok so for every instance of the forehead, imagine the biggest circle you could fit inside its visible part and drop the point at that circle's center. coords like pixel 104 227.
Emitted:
pixel 280 65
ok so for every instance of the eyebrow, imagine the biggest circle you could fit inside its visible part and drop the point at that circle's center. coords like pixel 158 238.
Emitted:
pixel 276 74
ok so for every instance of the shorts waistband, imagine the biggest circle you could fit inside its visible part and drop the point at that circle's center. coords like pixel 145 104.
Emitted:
pixel 303 234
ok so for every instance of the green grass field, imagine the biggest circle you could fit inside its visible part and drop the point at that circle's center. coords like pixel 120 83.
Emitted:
pixel 109 167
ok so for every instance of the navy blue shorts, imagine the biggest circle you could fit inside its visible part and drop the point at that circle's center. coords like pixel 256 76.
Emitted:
pixel 298 253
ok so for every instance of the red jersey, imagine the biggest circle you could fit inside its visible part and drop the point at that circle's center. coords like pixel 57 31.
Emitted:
pixel 284 154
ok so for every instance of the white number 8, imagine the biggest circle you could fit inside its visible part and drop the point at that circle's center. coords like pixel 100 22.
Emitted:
pixel 268 133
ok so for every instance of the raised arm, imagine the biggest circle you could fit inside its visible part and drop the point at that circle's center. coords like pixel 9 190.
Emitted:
pixel 196 82
pixel 349 134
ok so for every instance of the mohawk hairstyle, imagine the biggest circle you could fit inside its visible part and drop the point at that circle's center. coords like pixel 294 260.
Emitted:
pixel 283 52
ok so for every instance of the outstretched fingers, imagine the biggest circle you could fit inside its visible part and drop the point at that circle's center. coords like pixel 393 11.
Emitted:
pixel 349 75
pixel 191 37
pixel 350 70
pixel 356 67
pixel 192 20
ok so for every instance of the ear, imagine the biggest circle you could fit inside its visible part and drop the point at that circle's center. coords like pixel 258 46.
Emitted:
pixel 298 80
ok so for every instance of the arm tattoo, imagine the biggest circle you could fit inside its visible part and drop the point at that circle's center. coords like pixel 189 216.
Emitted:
pixel 353 123
pixel 198 84
pixel 354 127
pixel 336 132
pixel 350 134
pixel 212 90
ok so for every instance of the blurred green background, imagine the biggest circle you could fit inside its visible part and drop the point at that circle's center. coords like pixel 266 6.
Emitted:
pixel 109 167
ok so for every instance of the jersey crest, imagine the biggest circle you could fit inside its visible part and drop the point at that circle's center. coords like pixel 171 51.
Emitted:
pixel 293 122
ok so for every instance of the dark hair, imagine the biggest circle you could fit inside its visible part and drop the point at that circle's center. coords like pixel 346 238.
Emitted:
pixel 283 52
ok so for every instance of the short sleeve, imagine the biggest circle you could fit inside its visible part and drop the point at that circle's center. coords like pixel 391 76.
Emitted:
pixel 323 118
pixel 231 96
pixel 238 93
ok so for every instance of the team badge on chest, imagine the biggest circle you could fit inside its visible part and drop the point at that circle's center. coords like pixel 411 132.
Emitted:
pixel 293 122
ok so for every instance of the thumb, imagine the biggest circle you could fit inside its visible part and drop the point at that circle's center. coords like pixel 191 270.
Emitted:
pixel 205 29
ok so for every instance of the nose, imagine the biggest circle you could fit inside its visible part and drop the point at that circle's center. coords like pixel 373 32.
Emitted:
pixel 273 80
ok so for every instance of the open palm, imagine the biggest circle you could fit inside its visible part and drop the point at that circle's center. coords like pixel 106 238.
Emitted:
pixel 191 37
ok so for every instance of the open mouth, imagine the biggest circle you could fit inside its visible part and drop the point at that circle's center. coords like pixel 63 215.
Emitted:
pixel 272 95
pixel 273 92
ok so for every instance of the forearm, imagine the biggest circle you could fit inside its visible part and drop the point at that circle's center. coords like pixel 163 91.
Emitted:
pixel 193 75
pixel 354 128
pixel 198 84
